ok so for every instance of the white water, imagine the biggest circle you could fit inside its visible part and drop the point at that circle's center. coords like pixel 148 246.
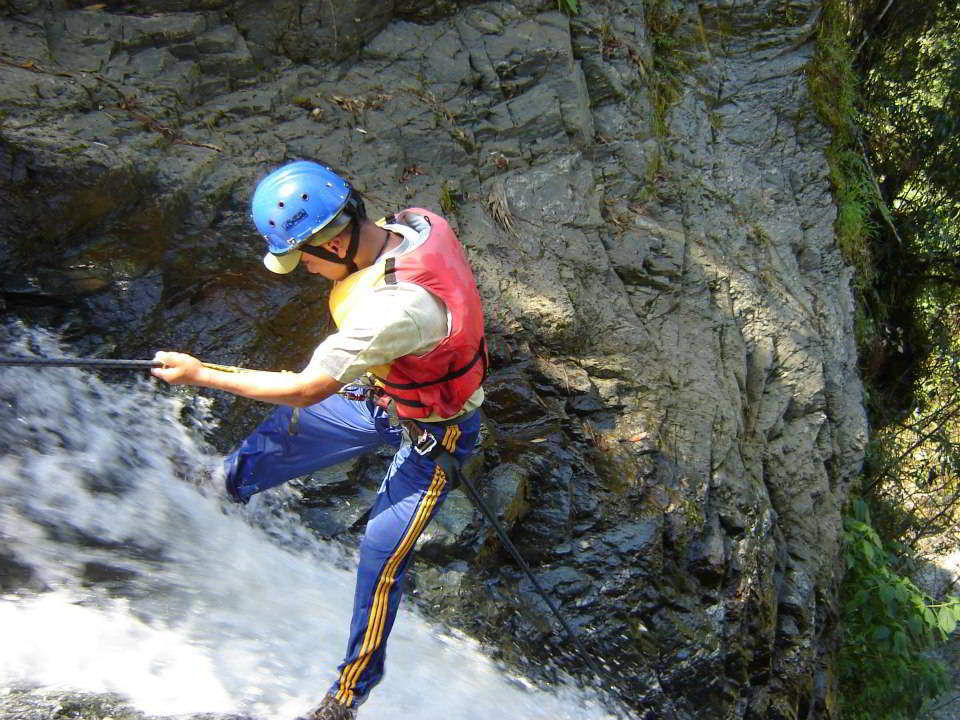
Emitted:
pixel 218 609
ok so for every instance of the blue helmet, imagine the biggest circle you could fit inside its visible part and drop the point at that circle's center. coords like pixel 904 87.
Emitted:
pixel 296 201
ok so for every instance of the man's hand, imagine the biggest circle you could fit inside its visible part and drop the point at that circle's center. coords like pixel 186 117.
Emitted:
pixel 178 368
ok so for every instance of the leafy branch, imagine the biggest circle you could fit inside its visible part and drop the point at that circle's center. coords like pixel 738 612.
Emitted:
pixel 889 625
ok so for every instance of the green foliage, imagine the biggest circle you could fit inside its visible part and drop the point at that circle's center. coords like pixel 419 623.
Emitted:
pixel 568 6
pixel 886 81
pixel 448 200
pixel 889 624
pixel 831 77
pixel 910 120
pixel 833 86
pixel 909 115
pixel 913 464
pixel 669 65
pixel 912 103
pixel 856 204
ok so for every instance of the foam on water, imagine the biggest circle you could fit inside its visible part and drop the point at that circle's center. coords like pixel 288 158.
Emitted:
pixel 155 588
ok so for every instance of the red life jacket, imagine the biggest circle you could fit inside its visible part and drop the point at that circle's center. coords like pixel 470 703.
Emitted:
pixel 440 382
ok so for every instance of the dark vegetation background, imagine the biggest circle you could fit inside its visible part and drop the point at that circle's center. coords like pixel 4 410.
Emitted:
pixel 892 70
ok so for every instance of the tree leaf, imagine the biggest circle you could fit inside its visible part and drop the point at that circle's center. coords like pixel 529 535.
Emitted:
pixel 947 620
pixel 886 590
pixel 900 642
pixel 887 593
pixel 917 626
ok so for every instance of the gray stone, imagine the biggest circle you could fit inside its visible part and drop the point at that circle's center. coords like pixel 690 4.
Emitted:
pixel 448 534
pixel 674 408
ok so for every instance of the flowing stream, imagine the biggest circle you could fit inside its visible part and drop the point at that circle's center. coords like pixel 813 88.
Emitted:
pixel 134 576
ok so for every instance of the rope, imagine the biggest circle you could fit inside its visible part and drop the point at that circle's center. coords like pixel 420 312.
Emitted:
pixel 79 362
pixel 508 544
pixel 100 363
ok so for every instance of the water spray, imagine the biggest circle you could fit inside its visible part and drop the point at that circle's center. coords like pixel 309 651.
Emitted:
pixel 451 466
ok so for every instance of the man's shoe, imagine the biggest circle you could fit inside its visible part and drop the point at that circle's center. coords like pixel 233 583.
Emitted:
pixel 330 709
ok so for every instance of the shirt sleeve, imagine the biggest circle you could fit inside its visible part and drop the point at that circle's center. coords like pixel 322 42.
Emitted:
pixel 390 322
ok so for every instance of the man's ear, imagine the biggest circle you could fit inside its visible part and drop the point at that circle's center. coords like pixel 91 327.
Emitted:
pixel 336 245
pixel 340 243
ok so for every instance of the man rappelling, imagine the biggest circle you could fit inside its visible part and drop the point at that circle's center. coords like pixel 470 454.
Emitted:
pixel 404 368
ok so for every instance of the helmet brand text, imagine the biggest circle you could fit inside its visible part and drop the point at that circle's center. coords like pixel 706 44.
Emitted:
pixel 291 221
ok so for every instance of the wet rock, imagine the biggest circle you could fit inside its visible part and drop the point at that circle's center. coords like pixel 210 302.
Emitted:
pixel 15 575
pixel 584 405
pixel 510 399
pixel 707 556
pixel 116 580
pixel 37 704
pixel 434 585
pixel 453 532
pixel 337 500
pixel 675 415
pixel 564 376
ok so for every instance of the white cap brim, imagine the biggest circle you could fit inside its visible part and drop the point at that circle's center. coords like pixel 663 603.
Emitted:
pixel 282 264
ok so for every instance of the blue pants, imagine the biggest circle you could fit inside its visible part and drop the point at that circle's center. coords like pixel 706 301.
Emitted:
pixel 329 433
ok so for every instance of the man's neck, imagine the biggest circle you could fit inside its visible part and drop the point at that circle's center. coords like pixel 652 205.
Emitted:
pixel 374 242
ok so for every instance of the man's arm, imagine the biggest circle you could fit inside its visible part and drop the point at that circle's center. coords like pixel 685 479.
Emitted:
pixel 394 320
pixel 301 389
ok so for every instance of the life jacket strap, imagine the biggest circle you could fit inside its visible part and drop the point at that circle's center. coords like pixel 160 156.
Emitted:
pixel 481 354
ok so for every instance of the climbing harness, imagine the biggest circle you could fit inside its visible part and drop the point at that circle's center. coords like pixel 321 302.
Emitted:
pixel 364 389
pixel 361 390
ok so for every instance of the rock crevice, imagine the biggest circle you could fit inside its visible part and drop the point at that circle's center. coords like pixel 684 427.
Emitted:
pixel 674 413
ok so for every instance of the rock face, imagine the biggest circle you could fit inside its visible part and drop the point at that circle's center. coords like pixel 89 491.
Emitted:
pixel 674 411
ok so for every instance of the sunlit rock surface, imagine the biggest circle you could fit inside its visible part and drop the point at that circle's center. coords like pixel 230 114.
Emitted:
pixel 674 414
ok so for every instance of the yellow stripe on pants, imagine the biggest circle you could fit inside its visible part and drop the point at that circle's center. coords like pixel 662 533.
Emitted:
pixel 378 613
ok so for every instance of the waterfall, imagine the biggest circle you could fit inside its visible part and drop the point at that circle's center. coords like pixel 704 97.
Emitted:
pixel 126 571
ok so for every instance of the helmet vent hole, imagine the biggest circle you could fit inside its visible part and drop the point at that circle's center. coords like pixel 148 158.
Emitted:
pixel 304 197
pixel 280 204
pixel 272 224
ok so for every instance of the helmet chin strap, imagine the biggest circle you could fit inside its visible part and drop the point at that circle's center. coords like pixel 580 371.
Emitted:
pixel 325 254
